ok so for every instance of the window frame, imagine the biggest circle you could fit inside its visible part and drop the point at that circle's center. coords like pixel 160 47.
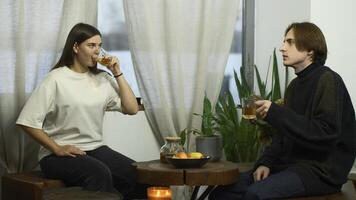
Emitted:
pixel 248 39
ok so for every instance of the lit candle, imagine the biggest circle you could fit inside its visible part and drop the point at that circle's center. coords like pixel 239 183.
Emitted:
pixel 159 193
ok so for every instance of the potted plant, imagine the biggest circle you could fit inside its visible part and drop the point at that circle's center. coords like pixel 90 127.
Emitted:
pixel 207 140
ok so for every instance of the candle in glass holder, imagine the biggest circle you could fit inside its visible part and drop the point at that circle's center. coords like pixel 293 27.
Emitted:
pixel 159 193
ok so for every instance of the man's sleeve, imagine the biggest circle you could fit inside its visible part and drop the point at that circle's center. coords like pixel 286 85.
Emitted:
pixel 319 131
pixel 271 152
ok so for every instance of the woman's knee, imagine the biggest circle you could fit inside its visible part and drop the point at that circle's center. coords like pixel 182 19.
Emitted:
pixel 100 172
pixel 99 179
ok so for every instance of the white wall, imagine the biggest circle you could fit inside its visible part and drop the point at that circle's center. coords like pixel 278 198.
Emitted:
pixel 130 135
pixel 272 18
pixel 337 21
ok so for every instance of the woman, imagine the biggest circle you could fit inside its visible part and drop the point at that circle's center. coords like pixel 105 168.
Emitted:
pixel 65 115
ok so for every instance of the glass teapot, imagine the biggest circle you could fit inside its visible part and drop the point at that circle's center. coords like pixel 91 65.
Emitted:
pixel 171 147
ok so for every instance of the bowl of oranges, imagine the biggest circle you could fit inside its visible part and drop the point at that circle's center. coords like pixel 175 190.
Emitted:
pixel 188 160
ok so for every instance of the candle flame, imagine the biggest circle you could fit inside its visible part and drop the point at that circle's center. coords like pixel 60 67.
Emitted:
pixel 161 193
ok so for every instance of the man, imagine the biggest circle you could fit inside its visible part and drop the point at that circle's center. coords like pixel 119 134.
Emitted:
pixel 314 147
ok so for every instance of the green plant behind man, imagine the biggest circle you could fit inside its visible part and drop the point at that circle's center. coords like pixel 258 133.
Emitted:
pixel 243 140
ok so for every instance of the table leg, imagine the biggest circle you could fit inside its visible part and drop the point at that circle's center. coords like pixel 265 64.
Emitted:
pixel 206 192
pixel 195 192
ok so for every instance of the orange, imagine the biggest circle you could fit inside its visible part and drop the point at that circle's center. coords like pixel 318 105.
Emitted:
pixel 182 155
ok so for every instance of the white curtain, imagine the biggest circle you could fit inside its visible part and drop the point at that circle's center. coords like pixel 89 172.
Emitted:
pixel 179 50
pixel 32 37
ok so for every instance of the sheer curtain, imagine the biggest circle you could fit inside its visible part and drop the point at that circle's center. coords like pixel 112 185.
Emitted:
pixel 32 36
pixel 179 50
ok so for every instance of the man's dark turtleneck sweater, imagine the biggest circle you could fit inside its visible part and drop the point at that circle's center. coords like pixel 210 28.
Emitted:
pixel 316 131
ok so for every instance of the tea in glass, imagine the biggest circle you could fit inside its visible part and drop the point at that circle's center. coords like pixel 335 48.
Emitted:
pixel 104 58
pixel 248 108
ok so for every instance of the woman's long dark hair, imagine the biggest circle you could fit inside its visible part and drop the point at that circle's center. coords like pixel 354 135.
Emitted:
pixel 79 33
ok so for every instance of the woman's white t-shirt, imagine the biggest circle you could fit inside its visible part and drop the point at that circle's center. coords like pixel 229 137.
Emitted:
pixel 70 107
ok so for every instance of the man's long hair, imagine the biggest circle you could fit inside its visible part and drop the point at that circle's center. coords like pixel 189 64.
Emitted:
pixel 309 37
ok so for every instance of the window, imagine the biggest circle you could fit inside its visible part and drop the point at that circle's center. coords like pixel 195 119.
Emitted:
pixel 111 23
pixel 234 61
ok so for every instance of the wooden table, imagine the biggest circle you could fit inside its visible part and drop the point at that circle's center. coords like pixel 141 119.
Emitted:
pixel 211 174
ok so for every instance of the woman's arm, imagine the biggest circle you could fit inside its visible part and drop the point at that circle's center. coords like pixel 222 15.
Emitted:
pixel 128 99
pixel 41 137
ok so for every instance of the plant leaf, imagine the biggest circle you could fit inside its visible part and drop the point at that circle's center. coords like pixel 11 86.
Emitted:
pixel 276 88
pixel 261 84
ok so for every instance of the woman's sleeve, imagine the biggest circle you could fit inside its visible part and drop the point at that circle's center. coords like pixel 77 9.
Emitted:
pixel 39 104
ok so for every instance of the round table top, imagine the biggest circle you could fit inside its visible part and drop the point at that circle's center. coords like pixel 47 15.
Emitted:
pixel 212 173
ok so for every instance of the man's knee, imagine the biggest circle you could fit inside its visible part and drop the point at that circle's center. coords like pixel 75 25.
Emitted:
pixel 251 196
pixel 214 195
pixel 223 193
pixel 254 193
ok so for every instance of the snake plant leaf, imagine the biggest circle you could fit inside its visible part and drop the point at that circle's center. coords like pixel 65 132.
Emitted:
pixel 276 87
pixel 261 84
pixel 238 85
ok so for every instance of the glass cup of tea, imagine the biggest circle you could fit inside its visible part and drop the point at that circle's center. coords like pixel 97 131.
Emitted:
pixel 248 107
pixel 104 58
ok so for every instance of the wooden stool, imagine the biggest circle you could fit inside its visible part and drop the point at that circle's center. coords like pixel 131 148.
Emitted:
pixel 27 185
pixel 347 193
pixel 34 186
pixel 77 193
